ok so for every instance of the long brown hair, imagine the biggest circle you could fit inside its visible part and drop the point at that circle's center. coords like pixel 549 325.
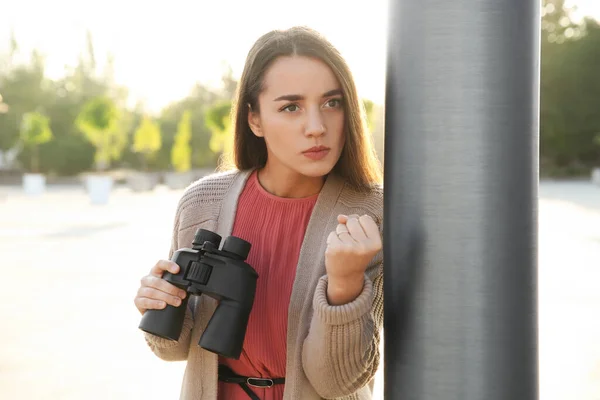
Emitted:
pixel 358 163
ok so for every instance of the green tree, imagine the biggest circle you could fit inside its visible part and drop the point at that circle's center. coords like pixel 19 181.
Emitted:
pixel 569 117
pixel 147 140
pixel 35 130
pixel 370 114
pixel 24 89
pixel 181 152
pixel 558 25
pixel 218 121
pixel 197 102
pixel 71 152
pixel 98 120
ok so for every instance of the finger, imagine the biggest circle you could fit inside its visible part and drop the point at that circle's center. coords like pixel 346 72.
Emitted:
pixel 341 228
pixel 162 285
pixel 330 237
pixel 356 230
pixel 343 219
pixel 343 234
pixel 333 240
pixel 370 227
pixel 154 294
pixel 143 304
pixel 162 266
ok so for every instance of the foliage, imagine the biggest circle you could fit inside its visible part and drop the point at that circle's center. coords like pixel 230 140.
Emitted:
pixel 570 92
pixel 147 140
pixel 35 130
pixel 98 120
pixel 370 113
pixel 218 120
pixel 24 89
pixel 181 152
pixel 196 130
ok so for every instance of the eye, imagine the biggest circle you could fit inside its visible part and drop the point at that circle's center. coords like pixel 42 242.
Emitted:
pixel 334 103
pixel 291 108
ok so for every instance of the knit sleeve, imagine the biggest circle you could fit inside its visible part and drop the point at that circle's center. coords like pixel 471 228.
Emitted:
pixel 200 201
pixel 341 352
pixel 170 350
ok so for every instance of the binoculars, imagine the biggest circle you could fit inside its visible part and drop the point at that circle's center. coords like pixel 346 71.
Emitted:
pixel 221 274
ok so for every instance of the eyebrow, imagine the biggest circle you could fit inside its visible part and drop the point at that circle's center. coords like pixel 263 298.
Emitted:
pixel 297 97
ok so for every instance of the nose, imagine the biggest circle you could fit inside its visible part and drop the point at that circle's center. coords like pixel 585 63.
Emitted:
pixel 315 125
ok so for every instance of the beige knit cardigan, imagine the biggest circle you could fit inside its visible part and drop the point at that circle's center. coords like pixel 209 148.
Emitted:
pixel 332 351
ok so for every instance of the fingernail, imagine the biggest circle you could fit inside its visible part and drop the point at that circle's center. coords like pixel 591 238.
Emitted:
pixel 174 269
pixel 182 294
pixel 177 301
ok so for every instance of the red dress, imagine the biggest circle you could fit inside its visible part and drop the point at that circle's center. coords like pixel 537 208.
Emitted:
pixel 275 227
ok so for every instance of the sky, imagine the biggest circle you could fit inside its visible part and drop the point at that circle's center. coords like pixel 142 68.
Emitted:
pixel 160 52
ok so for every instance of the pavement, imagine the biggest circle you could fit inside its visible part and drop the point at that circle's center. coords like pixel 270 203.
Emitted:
pixel 70 270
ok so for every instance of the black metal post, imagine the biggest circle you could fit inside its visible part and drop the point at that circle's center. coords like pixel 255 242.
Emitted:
pixel 461 181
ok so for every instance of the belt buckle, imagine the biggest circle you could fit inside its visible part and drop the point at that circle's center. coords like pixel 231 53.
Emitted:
pixel 267 382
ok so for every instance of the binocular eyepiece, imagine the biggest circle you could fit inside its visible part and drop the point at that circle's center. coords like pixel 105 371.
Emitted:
pixel 221 274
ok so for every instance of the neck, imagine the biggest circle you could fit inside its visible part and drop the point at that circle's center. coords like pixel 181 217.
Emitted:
pixel 288 184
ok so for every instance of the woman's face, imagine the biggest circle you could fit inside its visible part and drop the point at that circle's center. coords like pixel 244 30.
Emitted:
pixel 301 116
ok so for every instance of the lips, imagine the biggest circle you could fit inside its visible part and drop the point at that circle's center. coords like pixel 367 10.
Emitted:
pixel 316 153
pixel 316 149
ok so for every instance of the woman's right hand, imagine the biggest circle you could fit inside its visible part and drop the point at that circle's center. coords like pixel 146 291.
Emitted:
pixel 155 292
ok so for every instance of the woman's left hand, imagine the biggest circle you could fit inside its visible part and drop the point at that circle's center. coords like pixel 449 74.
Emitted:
pixel 350 249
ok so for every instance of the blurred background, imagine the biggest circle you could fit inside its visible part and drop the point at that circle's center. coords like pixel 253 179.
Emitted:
pixel 108 110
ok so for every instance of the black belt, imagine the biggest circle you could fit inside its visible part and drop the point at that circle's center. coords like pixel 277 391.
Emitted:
pixel 227 375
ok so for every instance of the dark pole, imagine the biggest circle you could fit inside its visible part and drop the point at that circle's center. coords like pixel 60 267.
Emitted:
pixel 461 181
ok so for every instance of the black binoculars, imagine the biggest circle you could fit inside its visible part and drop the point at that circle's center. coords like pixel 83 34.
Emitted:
pixel 221 274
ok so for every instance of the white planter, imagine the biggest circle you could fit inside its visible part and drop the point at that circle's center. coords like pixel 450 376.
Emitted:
pixel 98 188
pixel 596 176
pixel 142 182
pixel 34 184
pixel 178 180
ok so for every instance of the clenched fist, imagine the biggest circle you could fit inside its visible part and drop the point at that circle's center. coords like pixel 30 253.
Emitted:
pixel 350 249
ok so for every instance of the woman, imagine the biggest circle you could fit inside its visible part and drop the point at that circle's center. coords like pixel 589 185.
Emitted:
pixel 305 192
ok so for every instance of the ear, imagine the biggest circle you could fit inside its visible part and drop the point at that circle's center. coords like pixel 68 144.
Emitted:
pixel 254 122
